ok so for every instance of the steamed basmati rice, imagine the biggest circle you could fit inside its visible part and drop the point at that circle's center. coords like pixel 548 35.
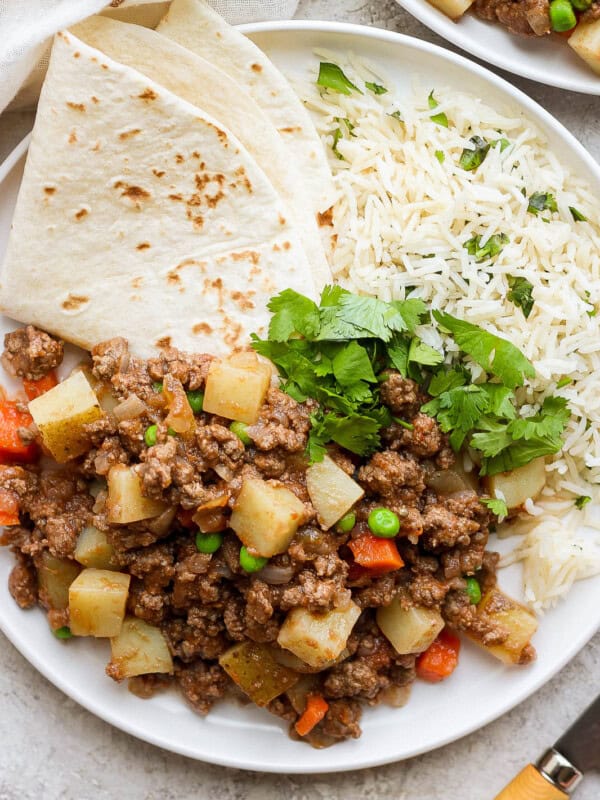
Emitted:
pixel 406 207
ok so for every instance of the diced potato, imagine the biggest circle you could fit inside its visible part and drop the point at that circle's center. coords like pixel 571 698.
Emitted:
pixel 266 517
pixel 93 549
pixel 106 397
pixel 237 392
pixel 125 502
pixel 97 599
pixel 252 667
pixel 61 413
pixel 318 639
pixel 138 649
pixel 55 575
pixel 519 484
pixel 409 630
pixel 585 40
pixel 520 622
pixel 332 492
pixel 452 8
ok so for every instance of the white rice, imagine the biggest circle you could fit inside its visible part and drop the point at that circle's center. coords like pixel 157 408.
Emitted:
pixel 400 221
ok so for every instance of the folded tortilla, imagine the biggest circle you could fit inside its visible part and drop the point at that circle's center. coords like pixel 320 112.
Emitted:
pixel 197 26
pixel 141 216
pixel 199 82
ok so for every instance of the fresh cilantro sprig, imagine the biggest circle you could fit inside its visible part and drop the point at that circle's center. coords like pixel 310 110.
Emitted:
pixel 496 505
pixel 520 293
pixel 340 351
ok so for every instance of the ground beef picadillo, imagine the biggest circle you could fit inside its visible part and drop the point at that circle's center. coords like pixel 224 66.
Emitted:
pixel 204 603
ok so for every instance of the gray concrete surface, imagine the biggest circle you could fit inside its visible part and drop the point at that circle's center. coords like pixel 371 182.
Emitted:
pixel 50 748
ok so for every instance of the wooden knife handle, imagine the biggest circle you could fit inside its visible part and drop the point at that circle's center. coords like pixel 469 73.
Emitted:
pixel 530 784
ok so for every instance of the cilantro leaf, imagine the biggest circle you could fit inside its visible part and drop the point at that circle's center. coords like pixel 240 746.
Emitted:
pixel 336 136
pixel 444 381
pixel 582 501
pixel 396 115
pixel 577 215
pixel 397 351
pixel 421 353
pixel 352 364
pixel 496 355
pixel 331 76
pixel 359 434
pixel 496 506
pixel 292 313
pixel 541 201
pixel 458 411
pixel 518 454
pixel 439 119
pixel 549 421
pixel 520 293
pixel 376 88
pixel 493 246
pixel 502 143
pixel 473 157
pixel 440 155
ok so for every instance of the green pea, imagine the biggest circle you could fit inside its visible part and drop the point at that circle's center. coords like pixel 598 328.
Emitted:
pixel 347 522
pixel 383 523
pixel 562 16
pixel 150 435
pixel 208 542
pixel 239 428
pixel 63 633
pixel 473 590
pixel 157 387
pixel 195 399
pixel 251 563
pixel 171 431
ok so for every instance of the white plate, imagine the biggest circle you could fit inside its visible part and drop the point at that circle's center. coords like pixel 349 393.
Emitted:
pixel 481 689
pixel 544 59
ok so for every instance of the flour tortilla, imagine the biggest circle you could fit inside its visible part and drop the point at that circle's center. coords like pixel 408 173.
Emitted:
pixel 195 25
pixel 199 82
pixel 141 216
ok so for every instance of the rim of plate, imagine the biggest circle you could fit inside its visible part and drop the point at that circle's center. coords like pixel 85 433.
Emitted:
pixel 438 22
pixel 354 760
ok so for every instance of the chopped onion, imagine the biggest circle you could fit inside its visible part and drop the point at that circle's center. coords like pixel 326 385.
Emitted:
pixel 275 575
pixel 161 525
pixel 223 471
pixel 395 696
pixel 130 408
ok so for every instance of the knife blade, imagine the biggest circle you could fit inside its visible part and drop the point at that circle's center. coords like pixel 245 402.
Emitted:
pixel 581 743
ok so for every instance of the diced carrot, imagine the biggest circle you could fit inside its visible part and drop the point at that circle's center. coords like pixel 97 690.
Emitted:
pixel 377 555
pixel 316 708
pixel 11 446
pixel 34 389
pixel 440 659
pixel 9 508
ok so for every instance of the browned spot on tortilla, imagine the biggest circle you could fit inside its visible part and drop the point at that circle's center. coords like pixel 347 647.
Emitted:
pixel 175 197
pixel 246 255
pixel 143 246
pixel 72 137
pixel 219 35
pixel 202 197
pixel 173 276
pixel 197 219
pixel 158 172
pixel 128 134
pixel 116 3
pixel 73 302
pixel 94 99
pixel 290 129
pixel 133 192
pixel 76 54
pixel 334 238
pixel 282 220
pixel 254 271
pixel 83 212
pixel 202 327
pixel 242 300
pixel 97 146
pixel 220 133
pixel 179 158
pixel 165 341
pixel 241 173
pixel 76 106
pixel 326 218
pixel 148 94
pixel 104 66
pixel 234 331
pixel 286 245
pixel 49 189
pixel 256 68
pixel 276 248
pixel 136 283
pixel 196 154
